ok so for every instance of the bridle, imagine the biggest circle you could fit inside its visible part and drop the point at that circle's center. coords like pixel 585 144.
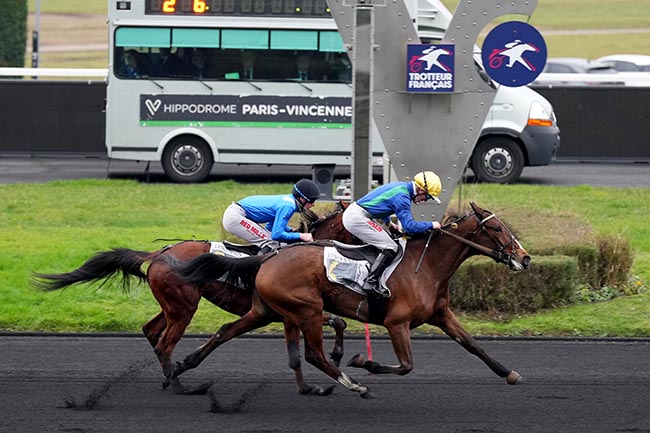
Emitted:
pixel 497 254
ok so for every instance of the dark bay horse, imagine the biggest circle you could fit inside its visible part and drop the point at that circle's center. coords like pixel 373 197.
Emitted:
pixel 179 299
pixel 293 283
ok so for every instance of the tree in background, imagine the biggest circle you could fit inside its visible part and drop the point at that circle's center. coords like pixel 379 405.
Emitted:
pixel 13 29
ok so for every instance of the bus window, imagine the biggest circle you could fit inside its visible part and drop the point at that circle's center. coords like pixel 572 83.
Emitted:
pixel 339 69
pixel 133 64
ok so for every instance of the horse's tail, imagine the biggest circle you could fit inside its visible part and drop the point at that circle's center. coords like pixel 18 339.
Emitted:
pixel 209 267
pixel 102 266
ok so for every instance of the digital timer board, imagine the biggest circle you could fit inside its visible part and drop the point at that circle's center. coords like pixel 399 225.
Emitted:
pixel 279 8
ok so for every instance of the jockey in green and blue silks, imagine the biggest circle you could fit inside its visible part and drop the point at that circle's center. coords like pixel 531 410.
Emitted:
pixel 360 218
pixel 263 220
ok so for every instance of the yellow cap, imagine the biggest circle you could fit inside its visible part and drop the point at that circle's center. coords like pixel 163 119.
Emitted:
pixel 429 182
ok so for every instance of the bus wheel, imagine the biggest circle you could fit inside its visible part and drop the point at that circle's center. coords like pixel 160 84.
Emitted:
pixel 497 160
pixel 187 160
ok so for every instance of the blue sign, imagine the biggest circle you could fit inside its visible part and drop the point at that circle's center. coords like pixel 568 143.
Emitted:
pixel 514 54
pixel 430 68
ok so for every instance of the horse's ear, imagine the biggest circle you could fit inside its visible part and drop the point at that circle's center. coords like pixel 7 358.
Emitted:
pixel 343 204
pixel 475 208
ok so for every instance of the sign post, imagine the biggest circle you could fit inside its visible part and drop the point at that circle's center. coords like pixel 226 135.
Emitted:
pixel 426 130
pixel 361 79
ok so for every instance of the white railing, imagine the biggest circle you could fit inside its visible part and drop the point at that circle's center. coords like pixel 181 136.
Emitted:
pixel 55 72
pixel 626 79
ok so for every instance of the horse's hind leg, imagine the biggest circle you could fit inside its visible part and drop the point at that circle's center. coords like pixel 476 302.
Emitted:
pixel 312 330
pixel 339 326
pixel 452 327
pixel 254 319
pixel 154 328
pixel 292 339
pixel 166 345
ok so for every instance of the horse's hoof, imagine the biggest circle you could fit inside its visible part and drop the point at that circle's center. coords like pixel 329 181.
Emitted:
pixel 514 378
pixel 316 390
pixel 326 391
pixel 199 390
pixel 356 361
pixel 165 383
pixel 179 389
pixel 368 395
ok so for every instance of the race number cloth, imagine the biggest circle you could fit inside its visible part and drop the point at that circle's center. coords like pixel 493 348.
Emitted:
pixel 220 249
pixel 352 273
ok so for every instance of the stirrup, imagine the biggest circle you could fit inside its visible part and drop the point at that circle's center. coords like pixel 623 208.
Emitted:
pixel 265 249
pixel 375 289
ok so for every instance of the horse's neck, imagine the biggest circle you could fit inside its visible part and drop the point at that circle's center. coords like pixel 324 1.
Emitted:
pixel 448 253
pixel 332 228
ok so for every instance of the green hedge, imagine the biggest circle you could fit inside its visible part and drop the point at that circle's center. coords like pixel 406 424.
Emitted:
pixel 13 29
pixel 586 254
pixel 554 277
pixel 482 285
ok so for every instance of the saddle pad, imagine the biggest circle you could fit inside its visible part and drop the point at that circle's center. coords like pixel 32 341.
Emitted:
pixel 352 273
pixel 220 249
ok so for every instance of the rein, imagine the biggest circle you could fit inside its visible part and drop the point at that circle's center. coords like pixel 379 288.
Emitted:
pixel 485 250
pixel 498 256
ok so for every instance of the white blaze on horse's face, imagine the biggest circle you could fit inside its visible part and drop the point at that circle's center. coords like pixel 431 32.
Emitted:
pixel 520 259
pixel 518 256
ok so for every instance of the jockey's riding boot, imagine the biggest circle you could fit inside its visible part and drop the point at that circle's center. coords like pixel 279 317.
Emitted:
pixel 267 247
pixel 371 285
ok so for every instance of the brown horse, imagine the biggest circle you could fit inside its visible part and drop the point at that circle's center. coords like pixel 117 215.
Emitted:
pixel 293 283
pixel 179 300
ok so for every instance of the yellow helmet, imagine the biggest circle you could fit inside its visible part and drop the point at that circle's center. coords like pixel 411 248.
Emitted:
pixel 429 182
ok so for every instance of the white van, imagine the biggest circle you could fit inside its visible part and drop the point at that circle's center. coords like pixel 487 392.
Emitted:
pixel 520 129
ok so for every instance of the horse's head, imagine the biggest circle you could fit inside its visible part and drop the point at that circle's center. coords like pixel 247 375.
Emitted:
pixel 494 239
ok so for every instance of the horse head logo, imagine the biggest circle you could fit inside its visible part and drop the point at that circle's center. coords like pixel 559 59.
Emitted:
pixel 514 51
pixel 430 57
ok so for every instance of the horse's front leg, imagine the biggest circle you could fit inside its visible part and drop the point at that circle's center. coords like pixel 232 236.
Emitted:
pixel 400 337
pixel 292 339
pixel 339 326
pixel 452 327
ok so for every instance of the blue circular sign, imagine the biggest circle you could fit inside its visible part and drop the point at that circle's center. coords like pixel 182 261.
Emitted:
pixel 514 54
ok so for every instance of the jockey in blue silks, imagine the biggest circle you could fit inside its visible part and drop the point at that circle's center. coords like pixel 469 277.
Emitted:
pixel 246 217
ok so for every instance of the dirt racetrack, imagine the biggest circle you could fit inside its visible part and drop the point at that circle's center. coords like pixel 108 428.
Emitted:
pixel 71 383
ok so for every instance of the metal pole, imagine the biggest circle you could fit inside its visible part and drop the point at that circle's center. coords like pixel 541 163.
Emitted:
pixel 35 34
pixel 361 149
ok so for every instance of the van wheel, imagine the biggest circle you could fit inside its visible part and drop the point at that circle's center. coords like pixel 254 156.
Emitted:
pixel 497 160
pixel 187 160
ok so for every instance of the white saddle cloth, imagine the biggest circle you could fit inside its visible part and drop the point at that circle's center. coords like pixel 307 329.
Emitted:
pixel 220 249
pixel 352 273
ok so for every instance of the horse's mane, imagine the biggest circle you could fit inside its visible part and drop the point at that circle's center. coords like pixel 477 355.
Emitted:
pixel 310 220
pixel 454 219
